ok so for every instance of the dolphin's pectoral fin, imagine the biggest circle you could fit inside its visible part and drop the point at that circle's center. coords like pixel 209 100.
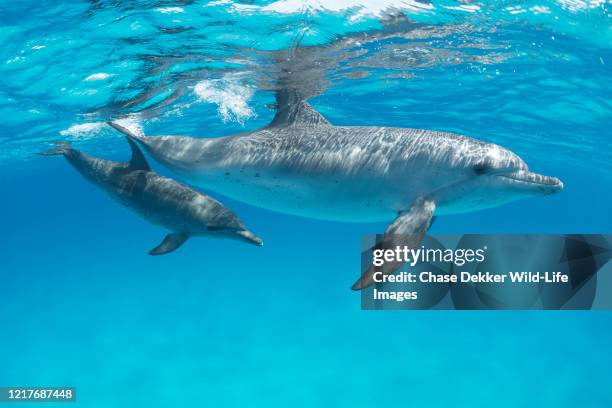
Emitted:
pixel 170 243
pixel 408 229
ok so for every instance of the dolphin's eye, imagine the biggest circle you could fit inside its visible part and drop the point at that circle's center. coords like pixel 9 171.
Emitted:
pixel 481 168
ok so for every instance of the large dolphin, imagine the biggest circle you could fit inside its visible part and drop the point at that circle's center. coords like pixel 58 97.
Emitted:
pixel 160 200
pixel 301 164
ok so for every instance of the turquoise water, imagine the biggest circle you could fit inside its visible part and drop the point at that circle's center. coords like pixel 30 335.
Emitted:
pixel 223 324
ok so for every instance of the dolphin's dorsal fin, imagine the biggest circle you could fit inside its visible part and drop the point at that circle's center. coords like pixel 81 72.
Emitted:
pixel 292 109
pixel 299 114
pixel 138 161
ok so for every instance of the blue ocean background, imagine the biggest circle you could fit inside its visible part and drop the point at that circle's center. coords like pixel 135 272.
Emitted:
pixel 223 324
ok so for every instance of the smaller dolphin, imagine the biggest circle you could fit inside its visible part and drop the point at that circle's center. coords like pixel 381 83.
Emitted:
pixel 160 200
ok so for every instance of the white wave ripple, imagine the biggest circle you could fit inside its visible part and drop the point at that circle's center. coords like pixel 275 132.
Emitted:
pixel 231 97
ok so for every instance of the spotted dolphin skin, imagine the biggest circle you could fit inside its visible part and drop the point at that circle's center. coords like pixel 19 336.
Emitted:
pixel 160 200
pixel 301 164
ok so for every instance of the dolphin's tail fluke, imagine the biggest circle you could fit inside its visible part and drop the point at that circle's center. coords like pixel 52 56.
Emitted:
pixel 61 148
pixel 127 132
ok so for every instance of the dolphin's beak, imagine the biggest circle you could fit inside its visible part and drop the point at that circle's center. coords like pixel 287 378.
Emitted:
pixel 250 237
pixel 526 179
